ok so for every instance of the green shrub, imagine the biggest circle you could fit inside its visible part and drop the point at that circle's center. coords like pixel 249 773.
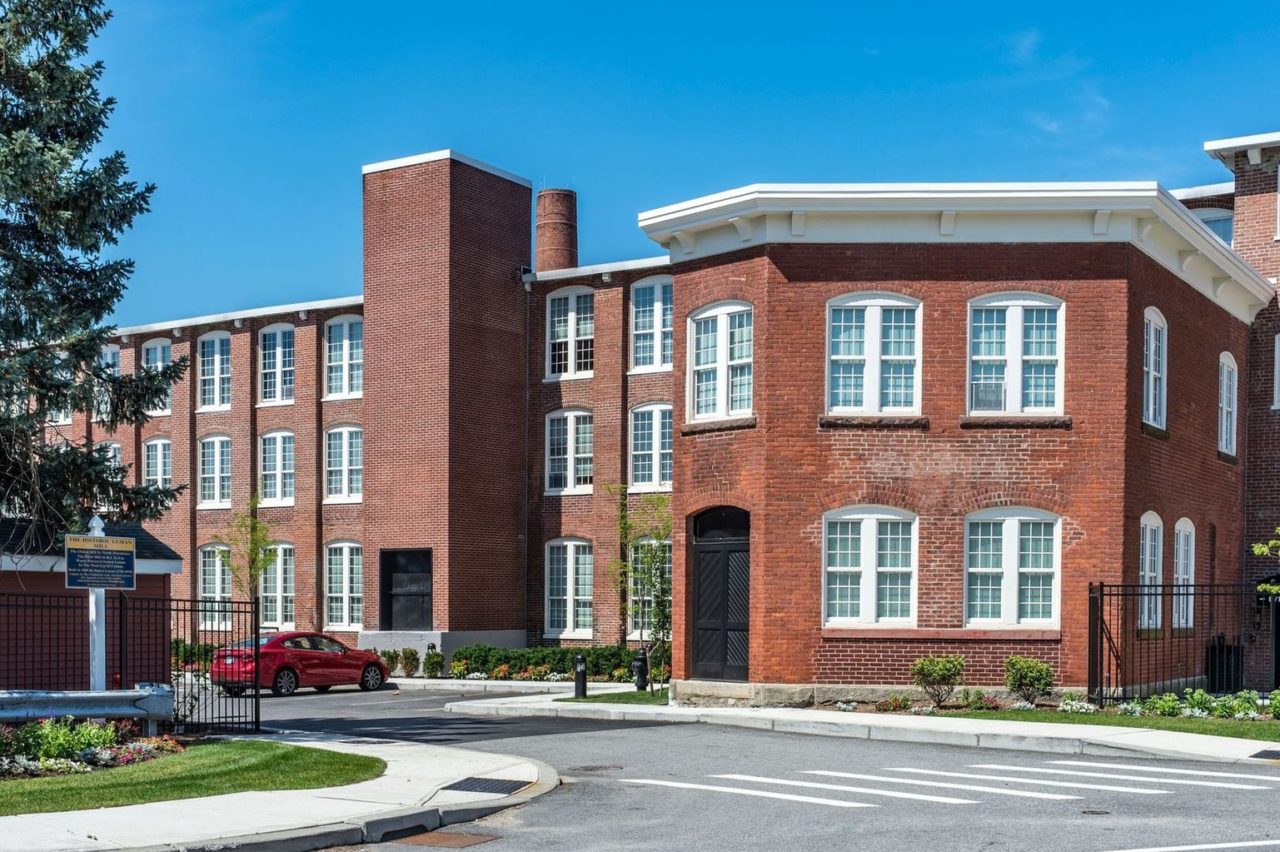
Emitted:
pixel 410 661
pixel 1273 703
pixel 938 676
pixel 433 664
pixel 1162 705
pixel 1242 703
pixel 1028 677
pixel 458 669
pixel 602 660
pixel 392 658
pixel 976 699
pixel 55 739
pixel 894 702
pixel 1198 699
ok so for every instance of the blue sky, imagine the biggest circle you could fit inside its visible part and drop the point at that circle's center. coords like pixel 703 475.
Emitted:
pixel 254 116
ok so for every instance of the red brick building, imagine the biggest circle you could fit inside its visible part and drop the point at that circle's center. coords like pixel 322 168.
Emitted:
pixel 893 419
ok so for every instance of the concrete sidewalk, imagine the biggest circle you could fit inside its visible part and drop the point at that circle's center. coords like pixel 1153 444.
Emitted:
pixel 529 687
pixel 408 797
pixel 937 730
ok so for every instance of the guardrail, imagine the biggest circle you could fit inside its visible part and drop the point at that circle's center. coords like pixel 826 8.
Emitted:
pixel 152 703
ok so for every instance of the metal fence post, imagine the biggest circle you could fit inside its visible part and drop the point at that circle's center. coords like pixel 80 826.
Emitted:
pixel 1095 643
pixel 257 652
pixel 122 640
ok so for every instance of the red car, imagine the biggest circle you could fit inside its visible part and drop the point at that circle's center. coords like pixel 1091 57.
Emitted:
pixel 290 660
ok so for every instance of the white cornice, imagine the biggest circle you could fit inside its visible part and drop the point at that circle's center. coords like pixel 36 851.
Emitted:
pixel 599 268
pixel 444 154
pixel 234 316
pixel 966 213
pixel 1226 149
pixel 1208 190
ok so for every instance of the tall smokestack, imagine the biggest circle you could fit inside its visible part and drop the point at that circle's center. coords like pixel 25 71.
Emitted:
pixel 557 230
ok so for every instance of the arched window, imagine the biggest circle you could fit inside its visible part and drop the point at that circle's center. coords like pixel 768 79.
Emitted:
pixel 1227 381
pixel 1013 567
pixel 276 364
pixel 157 463
pixel 214 350
pixel 215 473
pixel 1155 367
pixel 721 380
pixel 344 464
pixel 651 447
pixel 1184 573
pixel 344 585
pixel 651 324
pixel 873 354
pixel 869 566
pixel 277 587
pixel 570 452
pixel 344 357
pixel 1015 354
pixel 1150 570
pixel 215 587
pixel 571 333
pixel 570 584
pixel 1216 219
pixel 156 355
pixel 275 474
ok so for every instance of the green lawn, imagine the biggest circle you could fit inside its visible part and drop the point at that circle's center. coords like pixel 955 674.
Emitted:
pixel 206 769
pixel 631 696
pixel 1263 729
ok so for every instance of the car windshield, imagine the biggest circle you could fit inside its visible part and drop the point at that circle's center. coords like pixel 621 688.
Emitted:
pixel 248 643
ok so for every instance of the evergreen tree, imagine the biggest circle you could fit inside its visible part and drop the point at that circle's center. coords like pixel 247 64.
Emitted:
pixel 63 206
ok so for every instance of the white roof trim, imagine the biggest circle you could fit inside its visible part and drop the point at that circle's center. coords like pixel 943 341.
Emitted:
pixel 1226 149
pixel 966 213
pixel 444 154
pixel 1207 190
pixel 596 269
pixel 250 313
pixel 52 564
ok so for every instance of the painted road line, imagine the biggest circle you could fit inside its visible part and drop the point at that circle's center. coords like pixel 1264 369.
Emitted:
pixel 1225 785
pixel 975 788
pixel 1161 769
pixel 1244 844
pixel 1111 788
pixel 866 791
pixel 761 794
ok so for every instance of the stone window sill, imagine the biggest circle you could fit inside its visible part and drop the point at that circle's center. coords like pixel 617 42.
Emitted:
pixel 728 425
pixel 980 634
pixel 1155 431
pixel 1006 422
pixel 861 421
pixel 1228 458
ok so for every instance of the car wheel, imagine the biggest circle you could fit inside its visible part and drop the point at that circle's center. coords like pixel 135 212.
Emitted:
pixel 234 691
pixel 370 678
pixel 324 688
pixel 285 682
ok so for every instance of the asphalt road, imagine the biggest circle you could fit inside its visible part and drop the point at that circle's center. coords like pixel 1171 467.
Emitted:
pixel 665 787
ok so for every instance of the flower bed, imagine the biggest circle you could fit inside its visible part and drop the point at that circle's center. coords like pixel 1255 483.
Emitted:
pixel 605 664
pixel 65 747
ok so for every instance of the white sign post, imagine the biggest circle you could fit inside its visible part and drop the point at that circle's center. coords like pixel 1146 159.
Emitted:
pixel 97 623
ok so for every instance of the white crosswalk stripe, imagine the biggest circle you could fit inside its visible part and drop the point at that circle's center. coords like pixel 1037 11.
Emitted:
pixel 1203 847
pixel 1225 785
pixel 761 794
pixel 842 788
pixel 1041 781
pixel 973 788
pixel 1165 771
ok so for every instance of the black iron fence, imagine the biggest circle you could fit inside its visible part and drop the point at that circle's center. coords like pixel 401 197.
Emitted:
pixel 1149 639
pixel 44 644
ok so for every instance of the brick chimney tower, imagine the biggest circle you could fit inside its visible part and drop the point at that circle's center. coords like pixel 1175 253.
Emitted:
pixel 557 230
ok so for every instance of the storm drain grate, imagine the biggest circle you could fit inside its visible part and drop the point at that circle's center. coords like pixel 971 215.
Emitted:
pixel 1268 754
pixel 504 786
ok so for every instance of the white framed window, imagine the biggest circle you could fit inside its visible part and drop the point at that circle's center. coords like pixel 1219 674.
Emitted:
pixel 344 357
pixel 1275 374
pixel 215 473
pixel 1227 384
pixel 1155 367
pixel 1013 567
pixel 570 584
pixel 1015 354
pixel 570 452
pixel 215 370
pixel 873 354
pixel 651 447
pixel 344 589
pixel 721 345
pixel 108 359
pixel 277 587
pixel 571 333
pixel 869 567
pixel 639 617
pixel 157 463
pixel 652 324
pixel 113 451
pixel 1216 219
pixel 1150 570
pixel 276 364
pixel 344 465
pixel 1184 573
pixel 215 587
pixel 275 469
pixel 156 355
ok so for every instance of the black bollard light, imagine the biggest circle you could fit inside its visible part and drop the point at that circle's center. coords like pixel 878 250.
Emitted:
pixel 579 676
pixel 640 669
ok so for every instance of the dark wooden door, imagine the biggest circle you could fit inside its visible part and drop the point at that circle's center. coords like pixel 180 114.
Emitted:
pixel 722 598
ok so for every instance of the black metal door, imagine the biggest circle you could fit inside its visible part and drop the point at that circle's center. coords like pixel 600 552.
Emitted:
pixel 406 589
pixel 721 606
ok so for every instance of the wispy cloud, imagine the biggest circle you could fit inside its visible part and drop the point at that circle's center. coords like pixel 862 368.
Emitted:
pixel 1045 122
pixel 1024 47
